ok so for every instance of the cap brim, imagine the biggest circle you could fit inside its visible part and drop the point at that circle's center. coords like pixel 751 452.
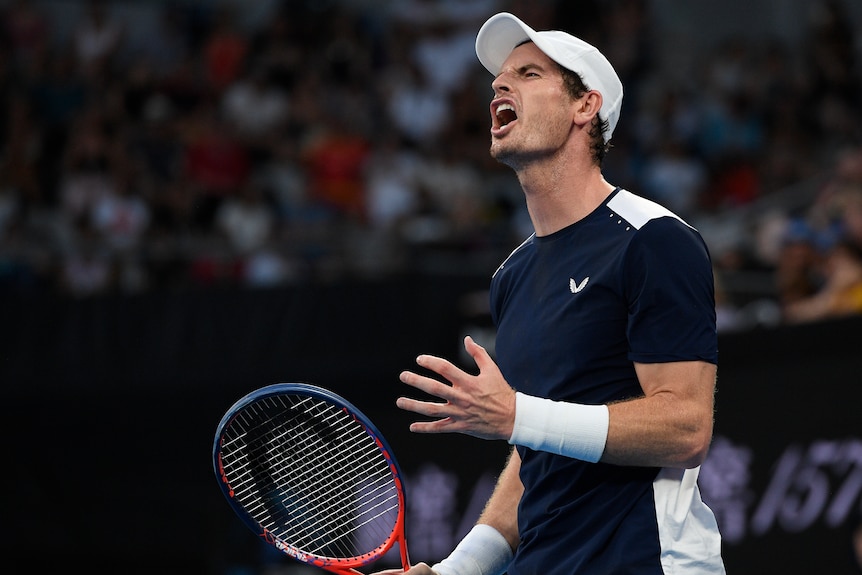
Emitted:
pixel 498 37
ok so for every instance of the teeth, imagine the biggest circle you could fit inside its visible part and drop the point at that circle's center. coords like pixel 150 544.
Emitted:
pixel 502 107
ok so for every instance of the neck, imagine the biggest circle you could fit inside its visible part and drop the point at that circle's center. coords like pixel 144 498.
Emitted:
pixel 559 193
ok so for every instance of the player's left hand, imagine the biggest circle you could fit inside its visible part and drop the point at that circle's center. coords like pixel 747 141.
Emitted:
pixel 480 405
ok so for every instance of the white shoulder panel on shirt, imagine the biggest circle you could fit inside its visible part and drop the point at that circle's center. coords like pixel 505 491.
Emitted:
pixel 637 210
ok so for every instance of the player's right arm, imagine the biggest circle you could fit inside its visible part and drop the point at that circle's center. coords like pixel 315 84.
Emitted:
pixel 488 548
pixel 501 511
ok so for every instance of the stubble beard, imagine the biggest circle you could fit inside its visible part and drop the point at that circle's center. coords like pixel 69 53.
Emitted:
pixel 510 153
pixel 524 147
pixel 518 157
pixel 502 154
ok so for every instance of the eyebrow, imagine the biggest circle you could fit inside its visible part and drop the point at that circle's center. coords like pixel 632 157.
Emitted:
pixel 521 70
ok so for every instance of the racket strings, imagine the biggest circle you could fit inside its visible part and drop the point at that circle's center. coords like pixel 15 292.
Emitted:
pixel 377 496
pixel 342 521
pixel 328 500
pixel 312 475
pixel 305 451
pixel 264 503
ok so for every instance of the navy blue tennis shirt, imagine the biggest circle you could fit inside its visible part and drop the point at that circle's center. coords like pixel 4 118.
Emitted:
pixel 631 282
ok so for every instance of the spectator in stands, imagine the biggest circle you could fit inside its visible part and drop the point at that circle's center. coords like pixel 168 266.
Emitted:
pixel 841 293
pixel 256 110
pixel 87 266
pixel 246 220
pixel 414 104
pixel 675 178
pixel 844 194
pixel 97 40
pixel 167 44
pixel 335 158
pixel 88 165
pixel 798 263
pixel 746 130
pixel 27 31
pixel 391 180
pixel 215 163
pixel 225 49
pixel 121 216
pixel 19 165
pixel 283 175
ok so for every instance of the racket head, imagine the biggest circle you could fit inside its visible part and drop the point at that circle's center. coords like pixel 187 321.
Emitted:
pixel 287 457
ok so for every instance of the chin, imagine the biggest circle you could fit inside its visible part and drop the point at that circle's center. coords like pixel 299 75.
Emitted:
pixel 498 151
pixel 504 155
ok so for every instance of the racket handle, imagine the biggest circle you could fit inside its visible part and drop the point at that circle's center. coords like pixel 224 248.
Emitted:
pixel 405 557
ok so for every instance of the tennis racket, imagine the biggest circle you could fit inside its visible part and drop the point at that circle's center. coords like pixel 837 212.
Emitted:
pixel 312 476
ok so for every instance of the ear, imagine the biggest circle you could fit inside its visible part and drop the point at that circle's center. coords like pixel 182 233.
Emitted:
pixel 587 107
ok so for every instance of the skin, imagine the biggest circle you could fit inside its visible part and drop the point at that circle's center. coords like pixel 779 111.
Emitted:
pixel 857 545
pixel 548 148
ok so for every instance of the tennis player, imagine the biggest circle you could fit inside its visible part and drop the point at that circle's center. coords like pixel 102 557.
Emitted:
pixel 606 344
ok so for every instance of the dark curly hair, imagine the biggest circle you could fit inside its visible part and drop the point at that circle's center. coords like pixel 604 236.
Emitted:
pixel 576 88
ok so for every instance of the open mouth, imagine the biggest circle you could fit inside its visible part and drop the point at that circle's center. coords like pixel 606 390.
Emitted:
pixel 505 114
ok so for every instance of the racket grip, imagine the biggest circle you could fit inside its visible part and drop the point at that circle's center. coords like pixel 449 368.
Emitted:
pixel 405 556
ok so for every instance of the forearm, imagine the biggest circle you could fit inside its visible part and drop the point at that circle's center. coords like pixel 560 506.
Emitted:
pixel 488 548
pixel 670 426
pixel 501 511
pixel 679 437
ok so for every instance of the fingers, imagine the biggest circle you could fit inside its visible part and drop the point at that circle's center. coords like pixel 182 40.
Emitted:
pixel 442 423
pixel 479 354
pixel 427 408
pixel 440 366
pixel 418 569
pixel 427 384
pixel 460 392
pixel 445 425
pixel 448 371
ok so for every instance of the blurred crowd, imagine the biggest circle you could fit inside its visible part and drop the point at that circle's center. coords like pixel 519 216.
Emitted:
pixel 349 139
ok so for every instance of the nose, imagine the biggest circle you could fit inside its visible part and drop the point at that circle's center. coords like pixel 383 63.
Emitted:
pixel 500 85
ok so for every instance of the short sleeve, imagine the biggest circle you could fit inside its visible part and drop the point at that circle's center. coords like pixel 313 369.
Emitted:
pixel 670 291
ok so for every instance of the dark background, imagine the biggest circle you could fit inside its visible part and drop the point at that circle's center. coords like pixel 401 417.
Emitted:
pixel 112 389
pixel 111 405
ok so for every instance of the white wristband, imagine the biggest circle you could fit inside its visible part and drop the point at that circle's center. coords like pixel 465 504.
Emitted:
pixel 571 429
pixel 483 551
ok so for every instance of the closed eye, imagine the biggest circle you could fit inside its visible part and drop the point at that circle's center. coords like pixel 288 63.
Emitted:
pixel 530 71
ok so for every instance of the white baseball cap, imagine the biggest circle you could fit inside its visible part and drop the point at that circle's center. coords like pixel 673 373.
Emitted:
pixel 503 32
